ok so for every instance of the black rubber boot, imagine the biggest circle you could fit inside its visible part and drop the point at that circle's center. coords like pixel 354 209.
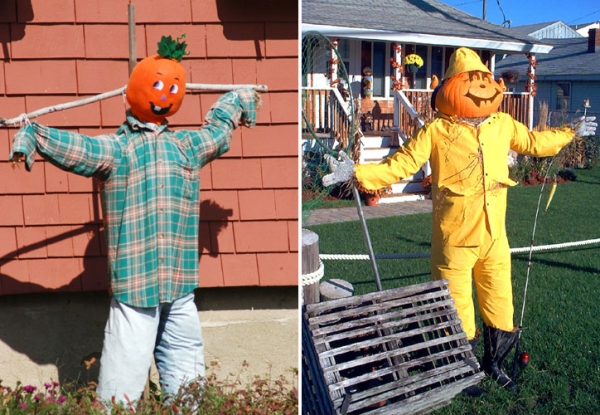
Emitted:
pixel 474 391
pixel 497 344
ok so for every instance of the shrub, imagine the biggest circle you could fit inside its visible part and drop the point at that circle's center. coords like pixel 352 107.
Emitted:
pixel 208 396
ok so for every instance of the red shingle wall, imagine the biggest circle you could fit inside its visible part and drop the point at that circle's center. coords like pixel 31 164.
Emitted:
pixel 51 235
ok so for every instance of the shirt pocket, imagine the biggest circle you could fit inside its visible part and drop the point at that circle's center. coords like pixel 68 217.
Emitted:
pixel 185 177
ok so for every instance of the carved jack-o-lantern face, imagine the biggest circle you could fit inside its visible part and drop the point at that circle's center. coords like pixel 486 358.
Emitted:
pixel 469 95
pixel 156 88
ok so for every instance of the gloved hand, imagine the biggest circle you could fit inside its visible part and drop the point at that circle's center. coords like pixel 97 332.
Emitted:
pixel 584 126
pixel 341 170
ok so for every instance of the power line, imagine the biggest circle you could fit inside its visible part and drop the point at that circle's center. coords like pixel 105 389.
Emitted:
pixel 589 14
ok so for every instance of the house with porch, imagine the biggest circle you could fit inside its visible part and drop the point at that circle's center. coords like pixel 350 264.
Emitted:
pixel 567 78
pixel 390 100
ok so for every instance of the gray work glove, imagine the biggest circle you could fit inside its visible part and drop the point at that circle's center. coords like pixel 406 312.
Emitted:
pixel 342 169
pixel 584 126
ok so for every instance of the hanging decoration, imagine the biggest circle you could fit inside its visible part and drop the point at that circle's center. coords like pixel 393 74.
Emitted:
pixel 398 80
pixel 531 87
pixel 412 62
pixel 333 65
pixel 367 82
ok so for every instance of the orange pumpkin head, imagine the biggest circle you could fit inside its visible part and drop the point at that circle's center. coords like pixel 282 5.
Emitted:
pixel 468 89
pixel 469 95
pixel 156 85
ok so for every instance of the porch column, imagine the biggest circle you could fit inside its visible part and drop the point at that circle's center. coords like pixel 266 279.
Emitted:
pixel 531 86
pixel 397 65
pixel 334 64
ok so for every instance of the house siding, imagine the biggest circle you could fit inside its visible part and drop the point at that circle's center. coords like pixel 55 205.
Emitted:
pixel 51 233
pixel 547 92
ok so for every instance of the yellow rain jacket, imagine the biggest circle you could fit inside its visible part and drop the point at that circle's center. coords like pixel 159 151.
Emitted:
pixel 469 172
pixel 469 167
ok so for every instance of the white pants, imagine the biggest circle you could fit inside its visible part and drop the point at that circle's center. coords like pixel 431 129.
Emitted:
pixel 170 332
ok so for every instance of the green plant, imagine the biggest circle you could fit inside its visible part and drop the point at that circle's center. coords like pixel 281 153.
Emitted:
pixel 511 75
pixel 532 170
pixel 412 59
pixel 209 396
pixel 582 152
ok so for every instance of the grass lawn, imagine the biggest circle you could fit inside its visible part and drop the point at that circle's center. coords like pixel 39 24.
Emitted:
pixel 561 322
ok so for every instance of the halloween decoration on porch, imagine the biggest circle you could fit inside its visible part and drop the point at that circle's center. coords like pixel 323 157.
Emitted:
pixel 367 82
pixel 467 145
pixel 412 62
pixel 150 191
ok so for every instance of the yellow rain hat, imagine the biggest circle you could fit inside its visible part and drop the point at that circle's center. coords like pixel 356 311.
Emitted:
pixel 464 60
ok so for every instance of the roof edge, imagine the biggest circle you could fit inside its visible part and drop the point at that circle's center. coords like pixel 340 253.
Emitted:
pixel 395 36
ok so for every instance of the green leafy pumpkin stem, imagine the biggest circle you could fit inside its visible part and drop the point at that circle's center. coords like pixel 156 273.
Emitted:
pixel 169 48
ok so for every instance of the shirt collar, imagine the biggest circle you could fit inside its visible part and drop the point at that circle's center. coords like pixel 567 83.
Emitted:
pixel 136 124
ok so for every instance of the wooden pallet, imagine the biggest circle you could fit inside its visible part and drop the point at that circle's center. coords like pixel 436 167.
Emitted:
pixel 399 351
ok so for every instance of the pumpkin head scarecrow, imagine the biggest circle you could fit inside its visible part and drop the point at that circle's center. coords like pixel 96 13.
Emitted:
pixel 157 83
pixel 467 145
pixel 150 191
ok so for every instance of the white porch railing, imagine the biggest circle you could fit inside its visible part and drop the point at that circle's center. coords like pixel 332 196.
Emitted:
pixel 328 114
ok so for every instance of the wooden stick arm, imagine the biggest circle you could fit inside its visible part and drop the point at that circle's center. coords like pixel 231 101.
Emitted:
pixel 78 103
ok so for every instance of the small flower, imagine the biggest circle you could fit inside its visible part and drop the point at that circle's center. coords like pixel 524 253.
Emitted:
pixel 412 59
pixel 29 388
pixel 24 405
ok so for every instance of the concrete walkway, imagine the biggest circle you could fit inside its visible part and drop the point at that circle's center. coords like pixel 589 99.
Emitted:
pixel 335 215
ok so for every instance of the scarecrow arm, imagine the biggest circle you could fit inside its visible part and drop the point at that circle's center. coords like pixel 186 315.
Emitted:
pixel 403 163
pixel 537 143
pixel 77 153
pixel 214 137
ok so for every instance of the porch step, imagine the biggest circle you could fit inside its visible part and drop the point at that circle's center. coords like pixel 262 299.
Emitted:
pixel 403 197
pixel 374 141
pixel 376 148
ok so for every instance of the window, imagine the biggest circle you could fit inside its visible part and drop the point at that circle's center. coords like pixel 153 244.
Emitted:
pixel 379 64
pixel 343 50
pixel 437 62
pixel 375 55
pixel 563 96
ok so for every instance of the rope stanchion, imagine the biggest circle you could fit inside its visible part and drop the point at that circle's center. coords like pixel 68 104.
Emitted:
pixel 314 277
pixel 362 257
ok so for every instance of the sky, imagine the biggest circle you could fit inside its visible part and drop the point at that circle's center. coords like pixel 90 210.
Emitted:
pixel 524 12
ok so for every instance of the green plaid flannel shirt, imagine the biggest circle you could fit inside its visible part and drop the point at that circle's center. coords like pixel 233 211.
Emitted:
pixel 150 191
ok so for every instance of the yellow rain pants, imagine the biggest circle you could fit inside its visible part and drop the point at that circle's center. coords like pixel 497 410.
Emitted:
pixel 469 167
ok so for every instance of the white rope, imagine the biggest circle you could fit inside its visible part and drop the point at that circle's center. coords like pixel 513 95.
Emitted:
pixel 426 255
pixel 314 277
